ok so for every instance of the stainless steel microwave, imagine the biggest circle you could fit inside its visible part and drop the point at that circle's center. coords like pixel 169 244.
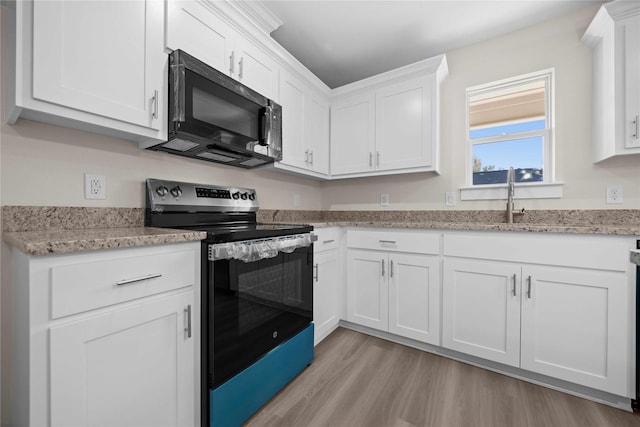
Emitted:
pixel 215 118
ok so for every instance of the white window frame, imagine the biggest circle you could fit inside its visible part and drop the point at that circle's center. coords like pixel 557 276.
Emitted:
pixel 549 187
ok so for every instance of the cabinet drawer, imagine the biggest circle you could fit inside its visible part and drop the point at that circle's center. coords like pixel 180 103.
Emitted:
pixel 395 241
pixel 84 286
pixel 328 238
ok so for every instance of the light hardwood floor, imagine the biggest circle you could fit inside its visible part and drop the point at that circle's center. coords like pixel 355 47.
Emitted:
pixel 361 381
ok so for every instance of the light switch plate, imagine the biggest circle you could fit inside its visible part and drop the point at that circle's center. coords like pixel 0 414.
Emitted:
pixel 297 200
pixel 384 199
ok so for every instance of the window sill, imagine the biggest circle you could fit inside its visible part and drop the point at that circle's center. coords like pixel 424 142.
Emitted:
pixel 522 191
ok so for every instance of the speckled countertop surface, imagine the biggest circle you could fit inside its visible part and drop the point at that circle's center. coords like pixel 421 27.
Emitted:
pixel 476 226
pixel 62 241
pixel 39 230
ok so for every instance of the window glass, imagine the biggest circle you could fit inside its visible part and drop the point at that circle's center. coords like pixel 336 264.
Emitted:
pixel 509 126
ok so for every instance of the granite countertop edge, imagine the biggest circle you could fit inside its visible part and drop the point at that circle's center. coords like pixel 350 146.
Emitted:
pixel 65 241
pixel 470 226
pixel 78 240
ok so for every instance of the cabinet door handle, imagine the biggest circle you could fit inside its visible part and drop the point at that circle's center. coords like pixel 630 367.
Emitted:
pixel 187 328
pixel 529 287
pixel 636 135
pixel 317 272
pixel 391 242
pixel 155 104
pixel 391 268
pixel 306 156
pixel 311 157
pixel 378 158
pixel 382 268
pixel 324 242
pixel 514 286
pixel 370 159
pixel 240 67
pixel 231 62
pixel 138 279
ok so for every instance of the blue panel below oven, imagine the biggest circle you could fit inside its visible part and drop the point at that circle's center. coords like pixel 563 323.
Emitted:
pixel 236 400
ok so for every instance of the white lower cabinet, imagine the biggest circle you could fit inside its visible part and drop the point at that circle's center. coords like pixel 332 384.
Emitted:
pixel 327 283
pixel 127 367
pixel 121 349
pixel 481 309
pixel 575 326
pixel 389 288
pixel 567 318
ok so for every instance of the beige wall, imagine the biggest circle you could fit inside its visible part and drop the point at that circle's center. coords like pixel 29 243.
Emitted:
pixel 552 44
pixel 44 165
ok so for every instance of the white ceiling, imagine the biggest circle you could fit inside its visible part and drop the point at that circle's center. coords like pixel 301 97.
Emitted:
pixel 345 41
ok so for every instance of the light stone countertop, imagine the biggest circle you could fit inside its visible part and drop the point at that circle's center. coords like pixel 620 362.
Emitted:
pixel 39 230
pixel 477 226
pixel 63 241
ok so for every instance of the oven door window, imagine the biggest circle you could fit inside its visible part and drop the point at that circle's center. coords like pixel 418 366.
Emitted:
pixel 256 306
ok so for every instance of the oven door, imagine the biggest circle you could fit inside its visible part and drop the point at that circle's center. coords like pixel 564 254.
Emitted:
pixel 256 306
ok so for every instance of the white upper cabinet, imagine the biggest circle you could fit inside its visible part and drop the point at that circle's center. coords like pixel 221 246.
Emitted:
pixel 73 69
pixel 388 124
pixel 305 128
pixel 199 29
pixel 352 134
pixel 404 124
pixel 614 36
pixel 192 27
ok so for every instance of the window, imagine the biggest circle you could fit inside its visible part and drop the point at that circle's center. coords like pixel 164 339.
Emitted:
pixel 510 124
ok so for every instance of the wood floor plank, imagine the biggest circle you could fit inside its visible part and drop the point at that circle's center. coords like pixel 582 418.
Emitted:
pixel 361 381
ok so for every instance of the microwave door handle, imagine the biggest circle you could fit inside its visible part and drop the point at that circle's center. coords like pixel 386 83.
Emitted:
pixel 266 125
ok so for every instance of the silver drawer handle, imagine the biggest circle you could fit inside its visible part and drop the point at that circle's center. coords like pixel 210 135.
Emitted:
pixel 324 242
pixel 391 242
pixel 137 279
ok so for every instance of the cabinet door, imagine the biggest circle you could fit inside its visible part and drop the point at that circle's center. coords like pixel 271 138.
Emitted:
pixel 574 326
pixel 367 289
pixel 352 135
pixel 130 367
pixel 481 309
pixel 292 99
pixel 194 28
pixel 326 296
pixel 255 68
pixel 317 133
pixel 630 37
pixel 120 76
pixel 414 297
pixel 404 124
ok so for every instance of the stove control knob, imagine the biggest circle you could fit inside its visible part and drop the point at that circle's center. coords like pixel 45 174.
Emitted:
pixel 252 196
pixel 162 191
pixel 236 195
pixel 244 196
pixel 176 191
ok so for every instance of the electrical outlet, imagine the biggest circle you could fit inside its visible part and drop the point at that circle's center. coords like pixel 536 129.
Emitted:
pixel 297 200
pixel 449 198
pixel 384 199
pixel 95 186
pixel 614 194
